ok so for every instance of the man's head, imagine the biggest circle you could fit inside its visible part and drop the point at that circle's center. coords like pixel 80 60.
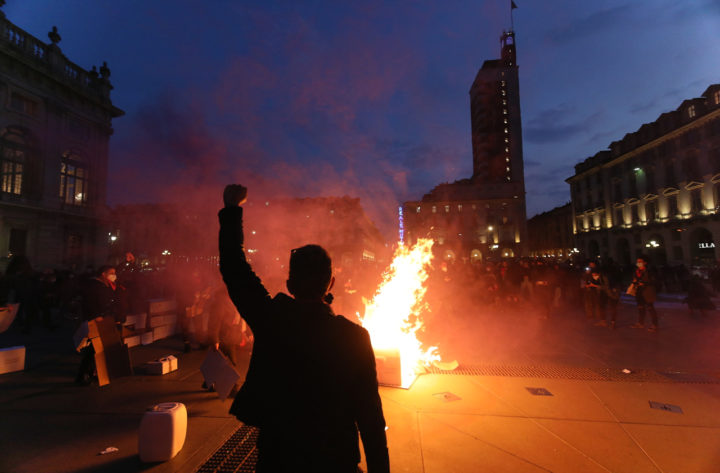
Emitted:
pixel 310 272
pixel 107 273
pixel 641 261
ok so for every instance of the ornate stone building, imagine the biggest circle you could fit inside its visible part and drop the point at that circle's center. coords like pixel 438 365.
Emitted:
pixel 550 234
pixel 483 216
pixel 655 191
pixel 55 125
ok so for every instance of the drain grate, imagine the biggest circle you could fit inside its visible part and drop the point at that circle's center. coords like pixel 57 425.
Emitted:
pixel 237 455
pixel 694 378
pixel 637 376
pixel 542 371
pixel 582 374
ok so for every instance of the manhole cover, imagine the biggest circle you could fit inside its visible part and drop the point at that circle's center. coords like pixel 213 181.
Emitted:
pixel 539 391
pixel 666 407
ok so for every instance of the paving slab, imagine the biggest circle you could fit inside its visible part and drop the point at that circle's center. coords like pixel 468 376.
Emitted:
pixel 630 402
pixel 679 449
pixel 607 443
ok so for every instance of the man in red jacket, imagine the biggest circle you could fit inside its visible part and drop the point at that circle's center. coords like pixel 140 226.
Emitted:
pixel 311 385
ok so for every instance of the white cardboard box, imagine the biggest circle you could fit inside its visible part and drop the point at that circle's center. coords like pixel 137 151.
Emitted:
pixel 173 362
pixel 161 366
pixel 12 359
pixel 138 321
pixel 147 338
pixel 133 341
pixel 164 365
pixel 161 306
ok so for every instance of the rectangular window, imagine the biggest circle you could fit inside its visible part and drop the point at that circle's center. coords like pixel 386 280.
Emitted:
pixel 12 177
pixel 18 241
pixel 697 203
pixel 670 173
pixel 716 96
pixel 73 184
pixel 22 104
pixel 691 111
pixel 672 206
pixel 650 181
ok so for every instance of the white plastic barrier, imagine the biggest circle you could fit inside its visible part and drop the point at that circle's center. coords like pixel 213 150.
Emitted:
pixel 162 432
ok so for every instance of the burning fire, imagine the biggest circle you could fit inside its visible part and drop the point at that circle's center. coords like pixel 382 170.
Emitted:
pixel 393 316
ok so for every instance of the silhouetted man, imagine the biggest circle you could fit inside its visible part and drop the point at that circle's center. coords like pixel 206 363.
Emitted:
pixel 311 384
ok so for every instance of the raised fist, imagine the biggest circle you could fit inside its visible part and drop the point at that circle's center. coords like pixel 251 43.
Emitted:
pixel 234 195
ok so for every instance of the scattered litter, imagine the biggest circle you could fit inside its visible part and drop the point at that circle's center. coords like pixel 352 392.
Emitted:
pixel 539 391
pixel 446 365
pixel 447 397
pixel 109 450
pixel 626 371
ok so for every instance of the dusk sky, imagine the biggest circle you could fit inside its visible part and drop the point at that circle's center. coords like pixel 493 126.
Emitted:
pixel 369 98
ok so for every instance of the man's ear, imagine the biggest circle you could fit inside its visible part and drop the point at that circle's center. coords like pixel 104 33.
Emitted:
pixel 332 283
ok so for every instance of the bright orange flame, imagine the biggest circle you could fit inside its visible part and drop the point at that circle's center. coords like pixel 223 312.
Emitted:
pixel 393 316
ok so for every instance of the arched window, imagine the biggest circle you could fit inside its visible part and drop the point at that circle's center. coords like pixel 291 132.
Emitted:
pixel 13 154
pixel 73 179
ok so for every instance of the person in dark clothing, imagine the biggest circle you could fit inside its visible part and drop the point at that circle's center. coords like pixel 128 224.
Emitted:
pixel 698 297
pixel 24 288
pixel 102 297
pixel 645 294
pixel 596 286
pixel 311 384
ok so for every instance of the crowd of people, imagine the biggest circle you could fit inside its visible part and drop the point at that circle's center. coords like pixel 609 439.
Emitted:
pixel 208 319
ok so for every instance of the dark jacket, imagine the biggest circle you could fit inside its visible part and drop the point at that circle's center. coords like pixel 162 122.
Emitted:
pixel 101 300
pixel 311 384
pixel 645 283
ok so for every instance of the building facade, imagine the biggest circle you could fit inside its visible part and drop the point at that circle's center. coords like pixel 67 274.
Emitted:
pixel 158 234
pixel 654 192
pixel 484 215
pixel 55 126
pixel 550 234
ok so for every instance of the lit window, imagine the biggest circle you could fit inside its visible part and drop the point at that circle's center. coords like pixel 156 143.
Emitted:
pixel 459 207
pixel 447 208
pixel 507 160
pixel 434 209
pixel 12 153
pixel 507 140
pixel 504 111
pixel 503 93
pixel 717 97
pixel 504 101
pixel 506 130
pixel 417 210
pixel 505 121
pixel 507 169
pixel 73 180
pixel 502 83
pixel 691 111
pixel 507 150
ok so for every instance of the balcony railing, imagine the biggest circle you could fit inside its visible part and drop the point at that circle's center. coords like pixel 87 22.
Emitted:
pixel 51 58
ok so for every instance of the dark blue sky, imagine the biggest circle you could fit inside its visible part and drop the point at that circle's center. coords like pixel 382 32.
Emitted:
pixel 369 98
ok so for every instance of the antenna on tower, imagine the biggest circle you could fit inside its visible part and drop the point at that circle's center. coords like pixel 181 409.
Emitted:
pixel 512 7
